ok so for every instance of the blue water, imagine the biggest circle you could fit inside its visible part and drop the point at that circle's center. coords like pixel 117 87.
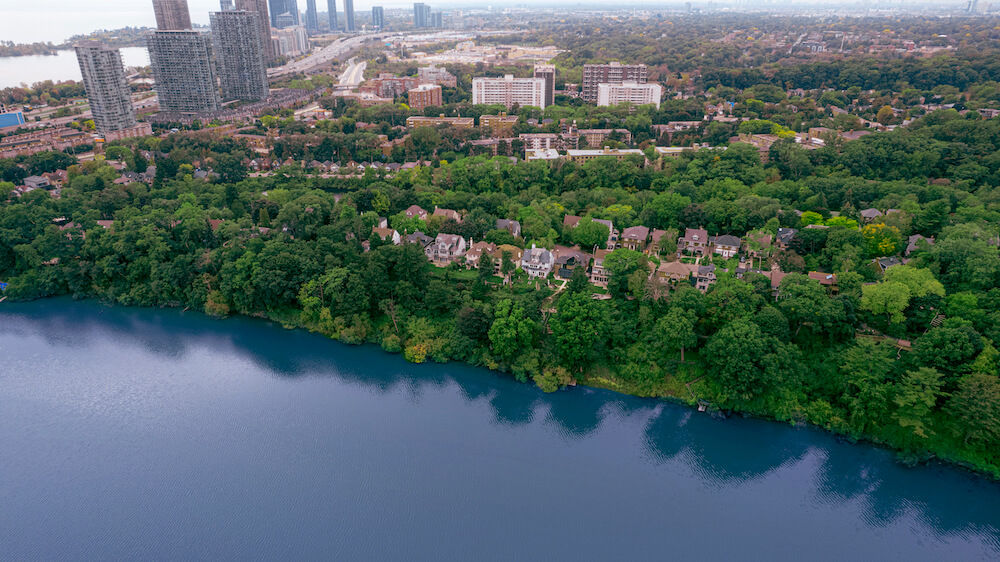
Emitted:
pixel 157 434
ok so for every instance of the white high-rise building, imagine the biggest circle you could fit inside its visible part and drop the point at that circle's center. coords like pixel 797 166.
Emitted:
pixel 631 92
pixel 508 91
pixel 107 88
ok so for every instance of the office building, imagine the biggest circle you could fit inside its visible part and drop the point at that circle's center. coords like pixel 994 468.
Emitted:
pixel 421 15
pixel 548 73
pixel 378 17
pixel 107 89
pixel 226 5
pixel 425 95
pixel 436 20
pixel 613 73
pixel 508 91
pixel 349 16
pixel 263 21
pixel 184 71
pixel 290 41
pixel 331 14
pixel 239 55
pixel 312 18
pixel 171 14
pixel 287 8
pixel 631 92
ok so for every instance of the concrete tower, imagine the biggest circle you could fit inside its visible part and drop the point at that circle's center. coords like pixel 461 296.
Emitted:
pixel 184 71
pixel 107 89
pixel 239 55
pixel 172 14
pixel 264 22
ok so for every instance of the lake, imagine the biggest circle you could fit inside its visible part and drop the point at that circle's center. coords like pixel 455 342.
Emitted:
pixel 62 66
pixel 160 434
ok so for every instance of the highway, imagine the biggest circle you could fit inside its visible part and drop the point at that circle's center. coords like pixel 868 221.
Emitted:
pixel 353 74
pixel 326 55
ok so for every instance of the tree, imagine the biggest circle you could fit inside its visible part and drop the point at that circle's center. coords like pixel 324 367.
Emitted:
pixel 589 233
pixel 620 265
pixel 746 363
pixel 675 331
pixel 865 368
pixel 919 281
pixel 889 298
pixel 881 240
pixel 512 331
pixel 915 397
pixel 975 408
pixel 578 328
pixel 885 115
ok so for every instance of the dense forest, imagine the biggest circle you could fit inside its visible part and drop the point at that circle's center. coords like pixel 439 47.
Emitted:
pixel 301 249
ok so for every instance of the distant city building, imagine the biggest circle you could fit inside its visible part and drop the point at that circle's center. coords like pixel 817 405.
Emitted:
pixel 184 71
pixel 331 15
pixel 263 21
pixel 548 72
pixel 378 17
pixel 613 73
pixel 631 92
pixel 434 75
pixel 421 15
pixel 281 8
pixel 425 95
pixel 500 126
pixel 225 5
pixel 508 91
pixel 457 122
pixel 240 55
pixel 290 41
pixel 312 18
pixel 349 16
pixel 107 88
pixel 436 20
pixel 171 14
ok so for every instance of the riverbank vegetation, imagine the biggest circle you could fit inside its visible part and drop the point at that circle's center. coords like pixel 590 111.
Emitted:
pixel 290 246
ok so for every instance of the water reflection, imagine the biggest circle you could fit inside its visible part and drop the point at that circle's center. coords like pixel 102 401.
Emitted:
pixel 723 453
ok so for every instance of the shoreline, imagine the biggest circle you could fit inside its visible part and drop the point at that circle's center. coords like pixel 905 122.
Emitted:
pixel 922 458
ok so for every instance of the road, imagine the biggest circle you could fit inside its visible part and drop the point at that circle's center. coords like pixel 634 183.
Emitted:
pixel 353 74
pixel 324 56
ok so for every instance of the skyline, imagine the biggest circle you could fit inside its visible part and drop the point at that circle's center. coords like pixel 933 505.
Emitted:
pixel 66 18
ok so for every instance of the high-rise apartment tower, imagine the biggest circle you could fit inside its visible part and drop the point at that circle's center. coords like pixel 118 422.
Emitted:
pixel 172 14
pixel 107 89
pixel 184 71
pixel 239 55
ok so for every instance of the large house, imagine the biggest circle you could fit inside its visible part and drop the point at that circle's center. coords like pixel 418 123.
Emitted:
pixel 694 241
pixel 655 238
pixel 568 260
pixel 511 226
pixel 537 262
pixel 704 277
pixel 570 222
pixel 726 245
pixel 415 211
pixel 513 252
pixel 445 249
pixel 634 238
pixel 473 257
pixel 785 237
pixel 599 275
pixel 447 214
pixel 674 272
pixel 388 234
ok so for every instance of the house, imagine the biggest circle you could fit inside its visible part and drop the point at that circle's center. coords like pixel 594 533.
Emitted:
pixel 916 242
pixel 388 234
pixel 419 238
pixel 653 249
pixel 511 226
pixel 568 259
pixel 704 277
pixel 415 211
pixel 828 280
pixel 447 214
pixel 870 214
pixel 758 245
pixel 599 275
pixel 473 257
pixel 887 262
pixel 785 237
pixel 37 182
pixel 694 241
pixel 513 252
pixel 382 222
pixel 105 224
pixel 634 238
pixel 674 272
pixel 571 221
pixel 726 245
pixel 537 262
pixel 445 249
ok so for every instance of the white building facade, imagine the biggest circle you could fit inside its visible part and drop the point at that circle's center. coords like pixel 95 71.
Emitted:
pixel 508 91
pixel 631 92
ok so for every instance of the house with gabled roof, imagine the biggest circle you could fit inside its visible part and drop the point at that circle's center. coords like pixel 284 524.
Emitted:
pixel 726 245
pixel 387 234
pixel 445 249
pixel 694 241
pixel 415 211
pixel 447 214
pixel 634 238
pixel 537 262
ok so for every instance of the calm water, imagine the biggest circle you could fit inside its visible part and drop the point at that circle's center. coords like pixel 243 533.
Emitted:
pixel 15 71
pixel 150 434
